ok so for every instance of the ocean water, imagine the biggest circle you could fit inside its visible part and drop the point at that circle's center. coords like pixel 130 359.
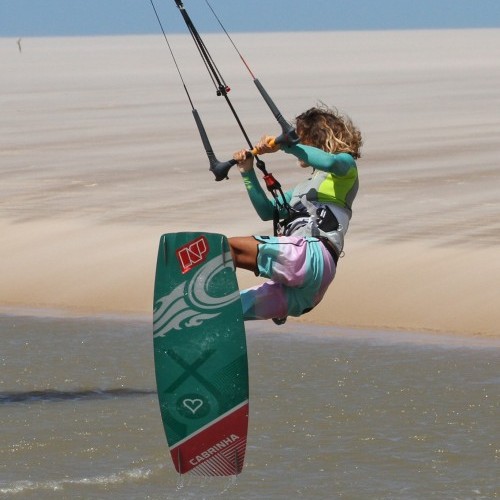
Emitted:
pixel 333 414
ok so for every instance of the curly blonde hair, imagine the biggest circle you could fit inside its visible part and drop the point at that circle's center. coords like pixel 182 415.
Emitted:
pixel 326 129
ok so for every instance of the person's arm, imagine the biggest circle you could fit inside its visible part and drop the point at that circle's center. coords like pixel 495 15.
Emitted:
pixel 262 204
pixel 338 164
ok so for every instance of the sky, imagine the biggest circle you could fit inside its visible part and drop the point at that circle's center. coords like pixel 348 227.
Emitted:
pixel 30 18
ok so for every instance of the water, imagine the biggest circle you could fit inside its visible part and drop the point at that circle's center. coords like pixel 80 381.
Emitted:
pixel 334 414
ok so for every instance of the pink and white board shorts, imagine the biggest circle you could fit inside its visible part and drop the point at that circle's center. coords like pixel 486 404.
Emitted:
pixel 300 270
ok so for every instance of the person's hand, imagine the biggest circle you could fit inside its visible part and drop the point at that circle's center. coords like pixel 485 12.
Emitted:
pixel 244 160
pixel 266 145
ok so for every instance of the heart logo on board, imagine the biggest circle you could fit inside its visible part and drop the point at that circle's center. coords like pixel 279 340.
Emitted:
pixel 193 405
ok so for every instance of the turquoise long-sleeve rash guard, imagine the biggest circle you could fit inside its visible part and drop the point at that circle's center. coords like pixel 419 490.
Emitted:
pixel 334 183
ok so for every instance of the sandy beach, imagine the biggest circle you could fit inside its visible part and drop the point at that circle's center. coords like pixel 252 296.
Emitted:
pixel 99 156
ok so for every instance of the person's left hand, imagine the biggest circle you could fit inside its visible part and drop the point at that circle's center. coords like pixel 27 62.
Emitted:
pixel 244 160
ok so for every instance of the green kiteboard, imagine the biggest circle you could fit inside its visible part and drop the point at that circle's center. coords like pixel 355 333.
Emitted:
pixel 200 354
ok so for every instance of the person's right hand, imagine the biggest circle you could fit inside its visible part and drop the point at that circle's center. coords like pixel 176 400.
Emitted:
pixel 266 144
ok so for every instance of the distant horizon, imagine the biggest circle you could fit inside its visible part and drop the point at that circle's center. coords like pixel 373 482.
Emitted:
pixel 117 35
pixel 60 18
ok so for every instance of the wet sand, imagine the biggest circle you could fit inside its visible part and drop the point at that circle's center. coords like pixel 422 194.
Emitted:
pixel 99 156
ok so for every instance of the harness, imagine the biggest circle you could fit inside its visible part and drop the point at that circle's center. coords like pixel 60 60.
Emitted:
pixel 325 220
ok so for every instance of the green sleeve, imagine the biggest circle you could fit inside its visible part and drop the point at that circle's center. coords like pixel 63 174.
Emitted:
pixel 262 204
pixel 336 163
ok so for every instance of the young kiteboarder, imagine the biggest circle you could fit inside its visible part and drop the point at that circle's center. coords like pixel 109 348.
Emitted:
pixel 301 260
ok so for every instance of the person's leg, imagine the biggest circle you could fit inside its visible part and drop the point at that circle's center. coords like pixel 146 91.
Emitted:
pixel 244 252
pixel 265 301
pixel 300 270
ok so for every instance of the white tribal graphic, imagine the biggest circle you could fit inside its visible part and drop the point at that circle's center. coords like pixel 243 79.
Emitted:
pixel 189 304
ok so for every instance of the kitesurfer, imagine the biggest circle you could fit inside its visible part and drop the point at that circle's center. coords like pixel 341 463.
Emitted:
pixel 301 261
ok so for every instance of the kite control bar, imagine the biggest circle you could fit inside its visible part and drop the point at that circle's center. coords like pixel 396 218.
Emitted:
pixel 288 135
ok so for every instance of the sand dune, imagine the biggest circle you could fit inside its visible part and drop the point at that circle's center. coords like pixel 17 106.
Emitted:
pixel 99 156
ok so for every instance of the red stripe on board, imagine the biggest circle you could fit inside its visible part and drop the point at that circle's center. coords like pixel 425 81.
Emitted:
pixel 218 450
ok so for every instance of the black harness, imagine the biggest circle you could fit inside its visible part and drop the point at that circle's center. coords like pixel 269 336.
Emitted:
pixel 326 221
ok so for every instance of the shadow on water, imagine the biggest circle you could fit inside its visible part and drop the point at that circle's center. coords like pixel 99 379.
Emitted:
pixel 85 394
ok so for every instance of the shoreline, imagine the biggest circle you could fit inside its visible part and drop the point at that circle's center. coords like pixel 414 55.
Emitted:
pixel 296 327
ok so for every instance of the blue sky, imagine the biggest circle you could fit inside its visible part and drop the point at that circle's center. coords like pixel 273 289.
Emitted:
pixel 23 18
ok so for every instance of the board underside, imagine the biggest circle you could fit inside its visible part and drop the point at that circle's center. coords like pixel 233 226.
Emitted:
pixel 200 354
